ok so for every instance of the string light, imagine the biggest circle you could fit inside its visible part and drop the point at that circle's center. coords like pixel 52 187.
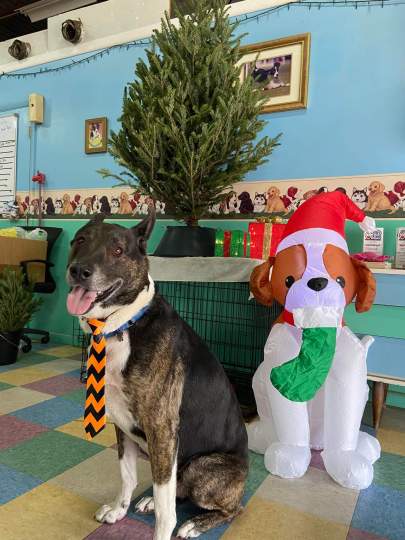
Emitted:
pixel 319 4
pixel 75 63
pixel 240 20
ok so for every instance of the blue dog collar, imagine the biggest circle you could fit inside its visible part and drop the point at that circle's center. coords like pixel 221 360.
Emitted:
pixel 129 323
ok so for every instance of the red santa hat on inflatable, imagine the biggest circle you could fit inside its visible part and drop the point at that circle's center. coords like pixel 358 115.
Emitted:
pixel 321 219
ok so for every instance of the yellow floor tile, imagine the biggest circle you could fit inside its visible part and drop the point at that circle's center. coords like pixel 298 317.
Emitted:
pixel 61 365
pixel 48 512
pixel 392 441
pixel 26 375
pixel 393 418
pixel 273 521
pixel 315 493
pixel 13 399
pixel 63 351
pixel 105 438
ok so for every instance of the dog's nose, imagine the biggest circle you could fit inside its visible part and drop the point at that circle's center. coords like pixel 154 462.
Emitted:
pixel 80 272
pixel 317 283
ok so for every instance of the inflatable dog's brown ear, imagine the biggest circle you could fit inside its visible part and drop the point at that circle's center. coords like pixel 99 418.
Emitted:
pixel 260 283
pixel 366 287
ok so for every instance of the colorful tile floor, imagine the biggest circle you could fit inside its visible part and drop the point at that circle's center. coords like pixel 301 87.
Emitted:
pixel 52 480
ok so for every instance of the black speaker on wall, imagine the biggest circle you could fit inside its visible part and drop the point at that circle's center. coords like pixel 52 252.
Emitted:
pixel 72 30
pixel 19 49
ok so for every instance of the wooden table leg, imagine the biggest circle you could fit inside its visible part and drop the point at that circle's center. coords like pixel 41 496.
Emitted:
pixel 380 390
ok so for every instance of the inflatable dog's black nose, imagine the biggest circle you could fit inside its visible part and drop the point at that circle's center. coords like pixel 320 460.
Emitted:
pixel 79 272
pixel 317 283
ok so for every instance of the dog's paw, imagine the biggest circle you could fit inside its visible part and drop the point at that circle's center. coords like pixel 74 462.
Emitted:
pixel 110 514
pixel 188 530
pixel 145 506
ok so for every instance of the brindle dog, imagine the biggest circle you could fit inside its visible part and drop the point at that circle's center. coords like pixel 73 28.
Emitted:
pixel 165 392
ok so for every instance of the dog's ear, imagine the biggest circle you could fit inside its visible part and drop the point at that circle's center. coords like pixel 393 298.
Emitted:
pixel 144 229
pixel 97 218
pixel 381 187
pixel 260 283
pixel 366 288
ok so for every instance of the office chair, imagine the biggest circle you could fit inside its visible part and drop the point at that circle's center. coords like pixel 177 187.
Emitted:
pixel 47 287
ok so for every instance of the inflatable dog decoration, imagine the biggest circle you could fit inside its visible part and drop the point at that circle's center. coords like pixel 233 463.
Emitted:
pixel 311 388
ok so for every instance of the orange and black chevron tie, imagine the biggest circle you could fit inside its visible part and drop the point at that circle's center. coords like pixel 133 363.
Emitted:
pixel 94 411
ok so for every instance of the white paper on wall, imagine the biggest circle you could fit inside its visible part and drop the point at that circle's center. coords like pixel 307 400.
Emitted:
pixel 373 241
pixel 400 248
pixel 8 160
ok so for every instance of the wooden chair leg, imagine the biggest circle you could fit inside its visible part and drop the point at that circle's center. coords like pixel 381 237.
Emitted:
pixel 385 393
pixel 380 390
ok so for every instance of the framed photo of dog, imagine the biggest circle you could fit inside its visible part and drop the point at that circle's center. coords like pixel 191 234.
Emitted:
pixel 281 68
pixel 96 135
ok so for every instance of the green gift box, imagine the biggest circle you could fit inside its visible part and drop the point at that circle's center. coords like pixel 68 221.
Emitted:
pixel 232 244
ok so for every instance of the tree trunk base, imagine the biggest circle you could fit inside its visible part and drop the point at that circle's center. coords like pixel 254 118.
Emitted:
pixel 181 241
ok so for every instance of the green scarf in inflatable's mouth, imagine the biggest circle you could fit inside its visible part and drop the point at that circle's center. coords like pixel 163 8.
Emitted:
pixel 300 378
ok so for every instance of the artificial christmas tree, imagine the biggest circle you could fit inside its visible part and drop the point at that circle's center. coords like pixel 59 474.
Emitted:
pixel 189 125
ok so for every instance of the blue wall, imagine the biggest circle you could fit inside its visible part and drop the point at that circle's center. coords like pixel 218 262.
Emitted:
pixel 354 124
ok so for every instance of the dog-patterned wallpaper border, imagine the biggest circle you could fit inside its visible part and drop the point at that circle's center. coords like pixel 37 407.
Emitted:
pixel 380 195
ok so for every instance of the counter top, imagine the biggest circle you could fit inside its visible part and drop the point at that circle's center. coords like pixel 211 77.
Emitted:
pixel 393 271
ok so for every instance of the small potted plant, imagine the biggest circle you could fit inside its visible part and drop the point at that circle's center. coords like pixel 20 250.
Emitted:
pixel 17 305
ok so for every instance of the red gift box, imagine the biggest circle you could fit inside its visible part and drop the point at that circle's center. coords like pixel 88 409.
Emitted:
pixel 264 239
pixel 227 243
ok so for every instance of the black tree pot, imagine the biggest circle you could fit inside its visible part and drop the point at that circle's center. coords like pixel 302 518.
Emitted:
pixel 9 343
pixel 187 242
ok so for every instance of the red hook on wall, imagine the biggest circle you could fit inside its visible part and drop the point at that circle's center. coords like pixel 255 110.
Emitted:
pixel 39 177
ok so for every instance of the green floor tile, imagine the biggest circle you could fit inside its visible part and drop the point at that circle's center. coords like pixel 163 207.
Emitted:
pixel 257 472
pixel 4 386
pixel 49 454
pixel 78 396
pixel 77 357
pixel 33 358
pixel 389 471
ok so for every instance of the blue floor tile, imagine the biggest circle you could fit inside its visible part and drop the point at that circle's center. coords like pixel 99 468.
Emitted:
pixel 14 483
pixel 381 510
pixel 10 367
pixel 25 360
pixel 75 373
pixel 186 510
pixel 51 413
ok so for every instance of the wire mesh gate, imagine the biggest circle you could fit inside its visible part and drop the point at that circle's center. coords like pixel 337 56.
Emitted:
pixel 234 327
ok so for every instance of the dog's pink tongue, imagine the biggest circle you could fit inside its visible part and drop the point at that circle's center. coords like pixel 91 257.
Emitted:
pixel 79 300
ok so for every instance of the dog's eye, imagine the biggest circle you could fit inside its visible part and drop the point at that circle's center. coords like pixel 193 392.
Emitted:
pixel 80 240
pixel 118 251
pixel 341 280
pixel 289 280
